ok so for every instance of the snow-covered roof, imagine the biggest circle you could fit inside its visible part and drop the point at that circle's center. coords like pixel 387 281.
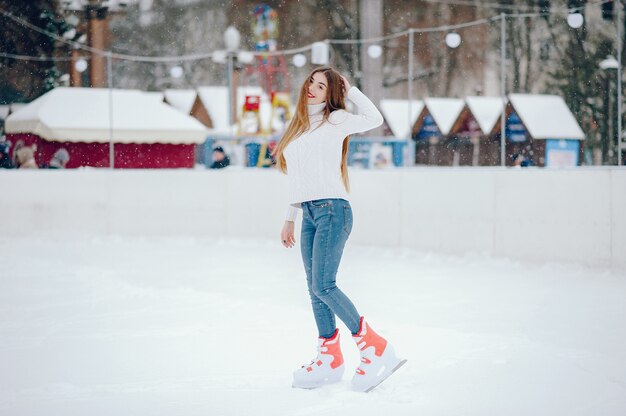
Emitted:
pixel 215 100
pixel 546 116
pixel 114 5
pixel 396 113
pixel 158 96
pixel 182 100
pixel 15 107
pixel 486 110
pixel 82 115
pixel 4 111
pixel 444 111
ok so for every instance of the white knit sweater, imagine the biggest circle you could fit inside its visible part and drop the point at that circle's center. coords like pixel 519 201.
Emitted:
pixel 314 158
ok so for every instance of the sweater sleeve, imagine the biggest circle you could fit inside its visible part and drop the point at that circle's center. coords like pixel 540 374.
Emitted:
pixel 292 213
pixel 366 118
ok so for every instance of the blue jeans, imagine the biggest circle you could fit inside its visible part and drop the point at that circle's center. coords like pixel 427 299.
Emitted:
pixel 326 225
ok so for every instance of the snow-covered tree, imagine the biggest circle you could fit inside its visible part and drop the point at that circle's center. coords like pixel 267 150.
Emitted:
pixel 22 80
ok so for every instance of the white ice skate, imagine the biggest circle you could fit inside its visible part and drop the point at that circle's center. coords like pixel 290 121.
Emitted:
pixel 378 359
pixel 326 368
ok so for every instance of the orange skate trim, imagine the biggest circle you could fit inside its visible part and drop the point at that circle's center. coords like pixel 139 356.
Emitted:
pixel 333 348
pixel 369 338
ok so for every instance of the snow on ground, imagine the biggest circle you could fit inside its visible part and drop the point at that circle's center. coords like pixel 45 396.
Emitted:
pixel 176 326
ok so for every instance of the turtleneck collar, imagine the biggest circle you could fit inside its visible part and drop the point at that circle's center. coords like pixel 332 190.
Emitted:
pixel 315 108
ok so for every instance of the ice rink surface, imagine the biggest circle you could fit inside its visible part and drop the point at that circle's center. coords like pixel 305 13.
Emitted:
pixel 183 326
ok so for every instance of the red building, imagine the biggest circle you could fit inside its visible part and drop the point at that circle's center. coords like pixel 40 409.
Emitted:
pixel 145 133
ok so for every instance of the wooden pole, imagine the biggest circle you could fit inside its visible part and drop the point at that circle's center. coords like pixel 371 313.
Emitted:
pixel 76 79
pixel 97 24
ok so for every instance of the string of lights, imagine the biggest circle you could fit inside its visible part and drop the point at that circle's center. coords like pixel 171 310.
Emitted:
pixel 521 8
pixel 286 52
pixel 35 58
pixel 200 56
pixel 444 28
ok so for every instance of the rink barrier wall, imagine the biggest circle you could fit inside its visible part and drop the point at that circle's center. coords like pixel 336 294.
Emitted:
pixel 575 215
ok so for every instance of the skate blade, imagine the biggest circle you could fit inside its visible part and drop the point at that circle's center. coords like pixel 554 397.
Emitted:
pixel 400 364
pixel 305 388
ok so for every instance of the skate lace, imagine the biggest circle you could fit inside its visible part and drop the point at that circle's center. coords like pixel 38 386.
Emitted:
pixel 320 350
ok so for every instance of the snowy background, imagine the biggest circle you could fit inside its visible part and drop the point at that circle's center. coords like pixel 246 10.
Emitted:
pixel 139 292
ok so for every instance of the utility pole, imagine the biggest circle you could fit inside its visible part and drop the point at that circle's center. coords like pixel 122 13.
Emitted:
pixel 503 89
pixel 619 83
pixel 75 75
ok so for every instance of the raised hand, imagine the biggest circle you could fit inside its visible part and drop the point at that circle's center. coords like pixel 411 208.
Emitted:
pixel 346 83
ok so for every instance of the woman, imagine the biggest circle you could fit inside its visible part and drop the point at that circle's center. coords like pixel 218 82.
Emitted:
pixel 313 153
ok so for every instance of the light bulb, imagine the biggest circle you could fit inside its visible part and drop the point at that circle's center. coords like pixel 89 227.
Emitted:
pixel 374 51
pixel 299 60
pixel 80 65
pixel 575 20
pixel 453 40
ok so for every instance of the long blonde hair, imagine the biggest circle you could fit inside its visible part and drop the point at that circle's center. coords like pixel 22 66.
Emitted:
pixel 335 100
